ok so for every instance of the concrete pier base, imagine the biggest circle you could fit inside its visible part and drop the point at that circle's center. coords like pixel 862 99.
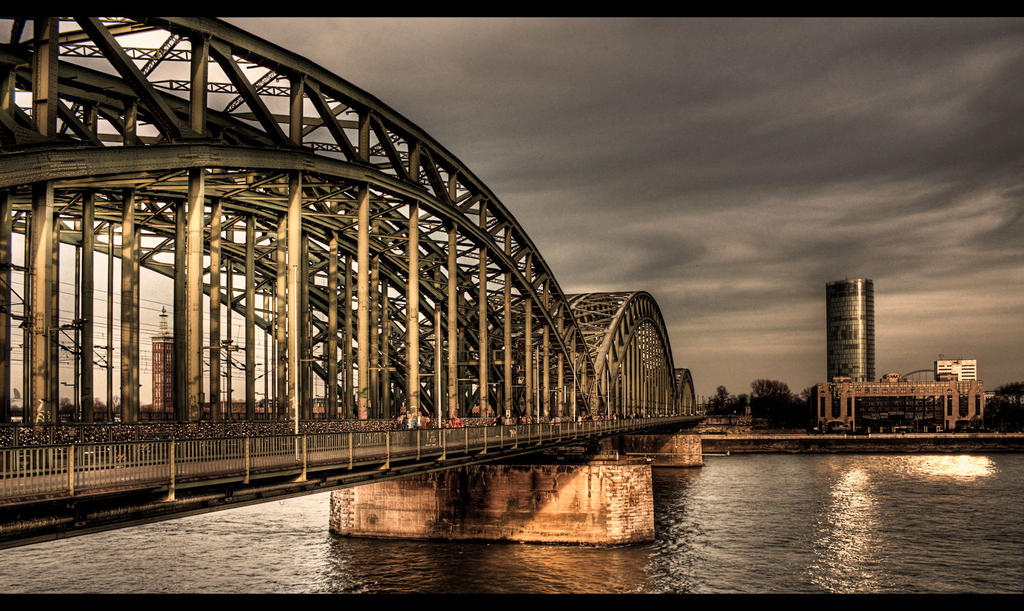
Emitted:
pixel 596 502
pixel 663 450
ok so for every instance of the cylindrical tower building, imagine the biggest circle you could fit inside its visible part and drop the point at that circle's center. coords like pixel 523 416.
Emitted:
pixel 850 329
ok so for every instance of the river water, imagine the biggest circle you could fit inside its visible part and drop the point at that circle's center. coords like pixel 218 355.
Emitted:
pixel 767 523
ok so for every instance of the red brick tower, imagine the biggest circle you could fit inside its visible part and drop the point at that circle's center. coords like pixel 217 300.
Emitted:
pixel 163 371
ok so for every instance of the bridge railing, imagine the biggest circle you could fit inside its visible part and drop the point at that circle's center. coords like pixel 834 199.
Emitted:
pixel 31 473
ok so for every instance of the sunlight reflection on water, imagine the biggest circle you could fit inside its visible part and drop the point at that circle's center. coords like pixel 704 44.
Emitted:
pixel 845 537
pixel 959 467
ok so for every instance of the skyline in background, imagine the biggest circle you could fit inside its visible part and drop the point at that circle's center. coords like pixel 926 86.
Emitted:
pixel 732 167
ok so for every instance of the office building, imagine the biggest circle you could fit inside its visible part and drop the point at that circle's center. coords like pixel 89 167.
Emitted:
pixel 962 369
pixel 899 405
pixel 850 329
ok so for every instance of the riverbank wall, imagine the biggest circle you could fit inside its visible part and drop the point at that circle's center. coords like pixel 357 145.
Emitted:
pixel 878 443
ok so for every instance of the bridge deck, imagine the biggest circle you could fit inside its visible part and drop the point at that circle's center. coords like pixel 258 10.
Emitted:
pixel 50 492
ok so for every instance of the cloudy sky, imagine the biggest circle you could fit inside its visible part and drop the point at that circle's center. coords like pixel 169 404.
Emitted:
pixel 732 167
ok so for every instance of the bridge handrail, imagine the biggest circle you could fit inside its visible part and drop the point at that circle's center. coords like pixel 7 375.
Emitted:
pixel 67 470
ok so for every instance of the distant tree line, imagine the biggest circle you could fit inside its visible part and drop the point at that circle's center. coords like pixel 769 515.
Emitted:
pixel 769 400
pixel 1005 410
pixel 772 401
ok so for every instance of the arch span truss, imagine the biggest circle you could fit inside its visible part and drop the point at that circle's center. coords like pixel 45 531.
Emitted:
pixel 629 344
pixel 322 255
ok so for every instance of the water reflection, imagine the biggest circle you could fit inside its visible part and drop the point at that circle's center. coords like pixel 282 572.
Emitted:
pixel 845 537
pixel 741 524
pixel 364 565
pixel 677 560
pixel 958 467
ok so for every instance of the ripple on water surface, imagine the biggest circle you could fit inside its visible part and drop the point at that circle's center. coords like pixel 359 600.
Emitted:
pixel 746 523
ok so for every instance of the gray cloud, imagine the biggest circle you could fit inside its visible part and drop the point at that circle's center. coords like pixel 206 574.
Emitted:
pixel 732 167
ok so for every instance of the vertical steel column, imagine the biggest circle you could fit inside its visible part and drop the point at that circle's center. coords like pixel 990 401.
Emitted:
pixel 7 88
pixel 54 337
pixel 227 343
pixel 88 279
pixel 560 399
pixel 346 354
pixel 602 387
pixel 110 322
pixel 129 348
pixel 363 262
pixel 131 112
pixel 545 404
pixel 484 347
pixel 630 373
pixel 280 320
pixel 438 358
pixel 136 303
pixel 641 375
pixel 662 399
pixel 44 75
pixel 536 381
pixel 305 359
pixel 656 387
pixel 507 341
pixel 194 290
pixel 91 117
pixel 180 312
pixel 331 350
pixel 27 337
pixel 250 318
pixel 623 391
pixel 6 225
pixel 528 353
pixel 665 388
pixel 669 394
pixel 375 333
pixel 624 374
pixel 453 323
pixel 645 377
pixel 572 397
pixel 197 90
pixel 294 279
pixel 297 83
pixel 385 356
pixel 215 345
pixel 266 306
pixel 412 312
pixel 638 373
pixel 363 295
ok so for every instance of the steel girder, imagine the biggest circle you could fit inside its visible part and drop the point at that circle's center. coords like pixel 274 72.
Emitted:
pixel 115 108
pixel 685 391
pixel 626 331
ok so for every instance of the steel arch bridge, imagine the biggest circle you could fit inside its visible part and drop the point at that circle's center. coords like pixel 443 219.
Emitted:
pixel 362 257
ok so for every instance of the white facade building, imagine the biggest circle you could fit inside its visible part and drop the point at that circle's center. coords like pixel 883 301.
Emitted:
pixel 963 369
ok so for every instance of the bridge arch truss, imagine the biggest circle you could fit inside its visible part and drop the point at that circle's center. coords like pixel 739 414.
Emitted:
pixel 632 354
pixel 350 250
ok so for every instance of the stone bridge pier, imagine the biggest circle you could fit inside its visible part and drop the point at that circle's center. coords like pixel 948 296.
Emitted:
pixel 600 495
pixel 661 449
